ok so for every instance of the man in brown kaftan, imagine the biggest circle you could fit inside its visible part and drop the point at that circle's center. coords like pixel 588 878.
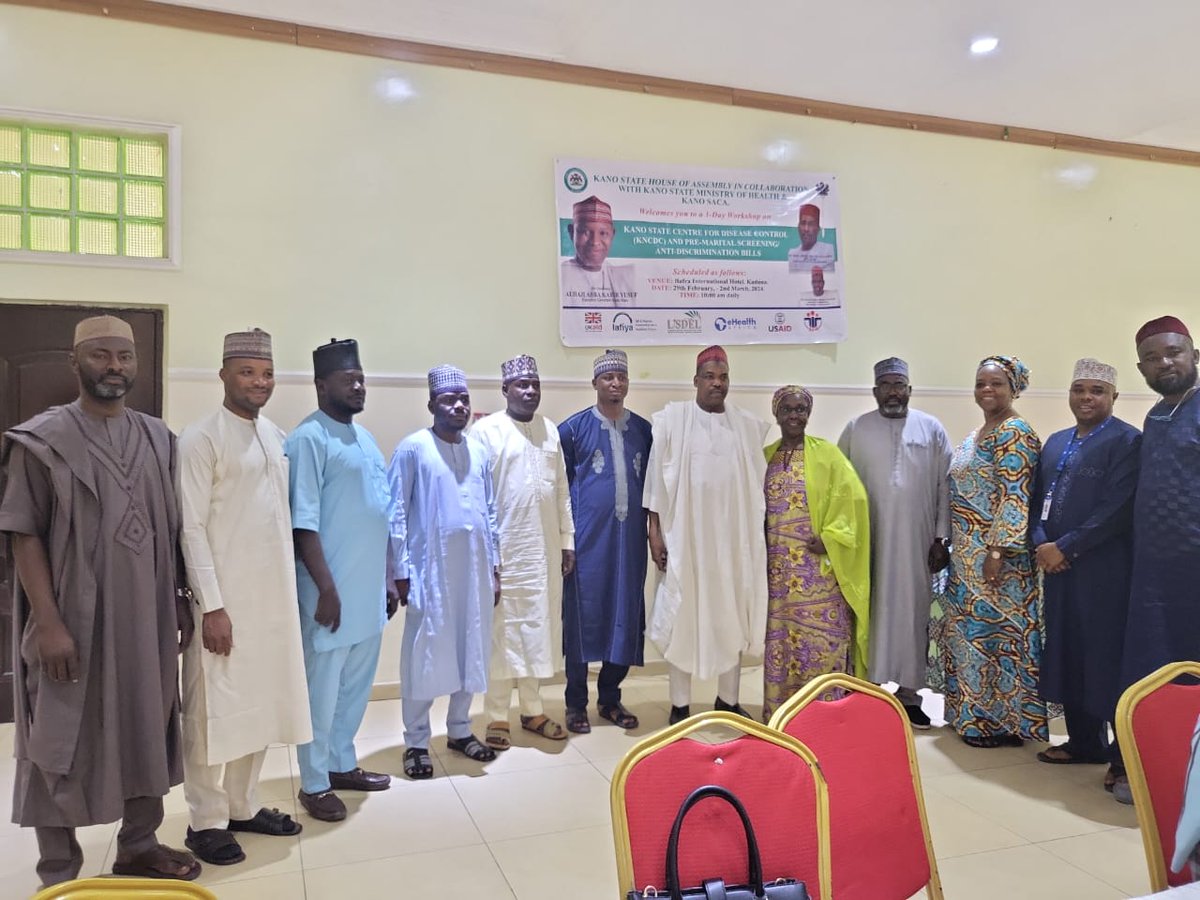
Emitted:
pixel 91 510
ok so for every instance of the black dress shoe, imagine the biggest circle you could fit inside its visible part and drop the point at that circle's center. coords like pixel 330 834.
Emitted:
pixel 326 806
pixel 678 714
pixel 917 717
pixel 736 708
pixel 359 780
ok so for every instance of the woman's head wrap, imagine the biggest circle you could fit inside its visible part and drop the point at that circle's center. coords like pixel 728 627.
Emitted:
pixel 1017 371
pixel 786 391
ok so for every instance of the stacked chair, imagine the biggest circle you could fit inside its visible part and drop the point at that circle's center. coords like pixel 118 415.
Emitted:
pixel 831 786
pixel 775 777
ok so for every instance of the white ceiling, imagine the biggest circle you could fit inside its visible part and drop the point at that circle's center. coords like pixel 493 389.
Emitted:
pixel 1098 68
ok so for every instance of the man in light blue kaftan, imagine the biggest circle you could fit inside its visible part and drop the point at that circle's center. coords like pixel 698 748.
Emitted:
pixel 341 511
pixel 605 448
pixel 445 558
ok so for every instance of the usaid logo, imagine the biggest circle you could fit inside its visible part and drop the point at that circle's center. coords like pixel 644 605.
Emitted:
pixel 780 325
pixel 622 322
pixel 688 323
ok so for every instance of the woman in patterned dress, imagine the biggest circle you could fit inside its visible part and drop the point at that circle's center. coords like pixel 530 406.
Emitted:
pixel 990 639
pixel 818 557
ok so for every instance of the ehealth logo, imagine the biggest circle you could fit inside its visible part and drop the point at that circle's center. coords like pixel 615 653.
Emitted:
pixel 721 323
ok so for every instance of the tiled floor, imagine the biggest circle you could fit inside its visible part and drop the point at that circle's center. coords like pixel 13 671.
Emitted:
pixel 535 823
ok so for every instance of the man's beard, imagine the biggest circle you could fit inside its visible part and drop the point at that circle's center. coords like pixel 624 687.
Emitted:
pixel 1175 384
pixel 101 391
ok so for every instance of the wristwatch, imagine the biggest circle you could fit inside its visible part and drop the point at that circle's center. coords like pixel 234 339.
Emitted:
pixel 185 593
pixel 995 554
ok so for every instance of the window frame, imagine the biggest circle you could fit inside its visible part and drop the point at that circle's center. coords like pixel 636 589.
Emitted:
pixel 84 126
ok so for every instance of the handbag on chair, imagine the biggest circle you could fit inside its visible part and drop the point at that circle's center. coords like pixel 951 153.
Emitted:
pixel 715 888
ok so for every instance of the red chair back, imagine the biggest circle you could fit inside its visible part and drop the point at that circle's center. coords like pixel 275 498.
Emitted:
pixel 879 837
pixel 1155 721
pixel 775 778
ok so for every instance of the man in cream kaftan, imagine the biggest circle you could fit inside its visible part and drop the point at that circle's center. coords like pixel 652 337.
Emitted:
pixel 537 549
pixel 243 683
pixel 704 491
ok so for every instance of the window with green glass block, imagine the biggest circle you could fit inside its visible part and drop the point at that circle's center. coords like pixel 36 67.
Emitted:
pixel 75 190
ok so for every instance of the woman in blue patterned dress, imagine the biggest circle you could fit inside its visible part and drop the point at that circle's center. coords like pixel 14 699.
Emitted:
pixel 990 640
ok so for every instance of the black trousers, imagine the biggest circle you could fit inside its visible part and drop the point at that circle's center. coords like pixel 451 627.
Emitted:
pixel 608 685
pixel 1087 735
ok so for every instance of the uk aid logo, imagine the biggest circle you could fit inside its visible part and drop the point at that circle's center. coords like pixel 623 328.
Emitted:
pixel 593 321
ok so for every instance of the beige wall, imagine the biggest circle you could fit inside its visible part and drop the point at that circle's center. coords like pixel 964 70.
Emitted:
pixel 314 208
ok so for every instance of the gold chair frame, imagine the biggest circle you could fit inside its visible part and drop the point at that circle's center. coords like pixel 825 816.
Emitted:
pixel 126 889
pixel 821 686
pixel 1135 694
pixel 649 745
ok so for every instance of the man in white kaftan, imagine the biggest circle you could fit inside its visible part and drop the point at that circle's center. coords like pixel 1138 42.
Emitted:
pixel 445 563
pixel 243 683
pixel 537 550
pixel 704 491
pixel 902 456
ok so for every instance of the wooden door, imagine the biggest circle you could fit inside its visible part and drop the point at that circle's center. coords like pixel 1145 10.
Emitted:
pixel 35 340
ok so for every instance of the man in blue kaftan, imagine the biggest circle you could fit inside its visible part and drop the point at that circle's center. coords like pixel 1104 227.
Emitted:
pixel 445 558
pixel 341 509
pixel 605 448
pixel 1081 524
pixel 1164 604
pixel 1164 600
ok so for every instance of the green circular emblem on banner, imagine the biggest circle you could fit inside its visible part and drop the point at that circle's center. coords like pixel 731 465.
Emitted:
pixel 576 180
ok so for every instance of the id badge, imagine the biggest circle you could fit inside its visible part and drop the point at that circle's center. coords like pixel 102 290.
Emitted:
pixel 1046 507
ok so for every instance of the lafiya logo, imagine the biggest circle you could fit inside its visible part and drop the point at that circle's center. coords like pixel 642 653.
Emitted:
pixel 575 180
pixel 721 323
pixel 813 321
pixel 622 322
pixel 780 325
pixel 593 321
pixel 688 323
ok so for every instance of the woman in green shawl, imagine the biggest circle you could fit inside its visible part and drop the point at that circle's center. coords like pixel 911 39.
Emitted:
pixel 818 557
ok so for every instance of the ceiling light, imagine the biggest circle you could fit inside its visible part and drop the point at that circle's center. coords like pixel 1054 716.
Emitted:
pixel 984 45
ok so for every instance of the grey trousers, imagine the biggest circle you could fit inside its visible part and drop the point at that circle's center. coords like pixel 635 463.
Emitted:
pixel 62 857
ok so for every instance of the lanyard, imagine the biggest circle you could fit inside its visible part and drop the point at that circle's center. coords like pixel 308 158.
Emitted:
pixel 1068 454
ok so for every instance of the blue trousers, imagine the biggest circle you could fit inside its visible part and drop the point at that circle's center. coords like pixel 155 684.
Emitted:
pixel 417 730
pixel 339 687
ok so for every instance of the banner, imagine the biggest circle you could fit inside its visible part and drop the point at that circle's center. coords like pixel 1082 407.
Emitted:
pixel 653 254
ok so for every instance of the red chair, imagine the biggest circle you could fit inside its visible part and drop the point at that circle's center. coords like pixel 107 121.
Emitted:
pixel 878 835
pixel 776 778
pixel 1155 719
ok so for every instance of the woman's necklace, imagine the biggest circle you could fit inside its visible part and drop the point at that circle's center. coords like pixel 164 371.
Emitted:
pixel 788 451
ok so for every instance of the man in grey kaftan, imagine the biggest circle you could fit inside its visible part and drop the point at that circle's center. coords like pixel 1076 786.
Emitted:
pixel 902 456
pixel 91 509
